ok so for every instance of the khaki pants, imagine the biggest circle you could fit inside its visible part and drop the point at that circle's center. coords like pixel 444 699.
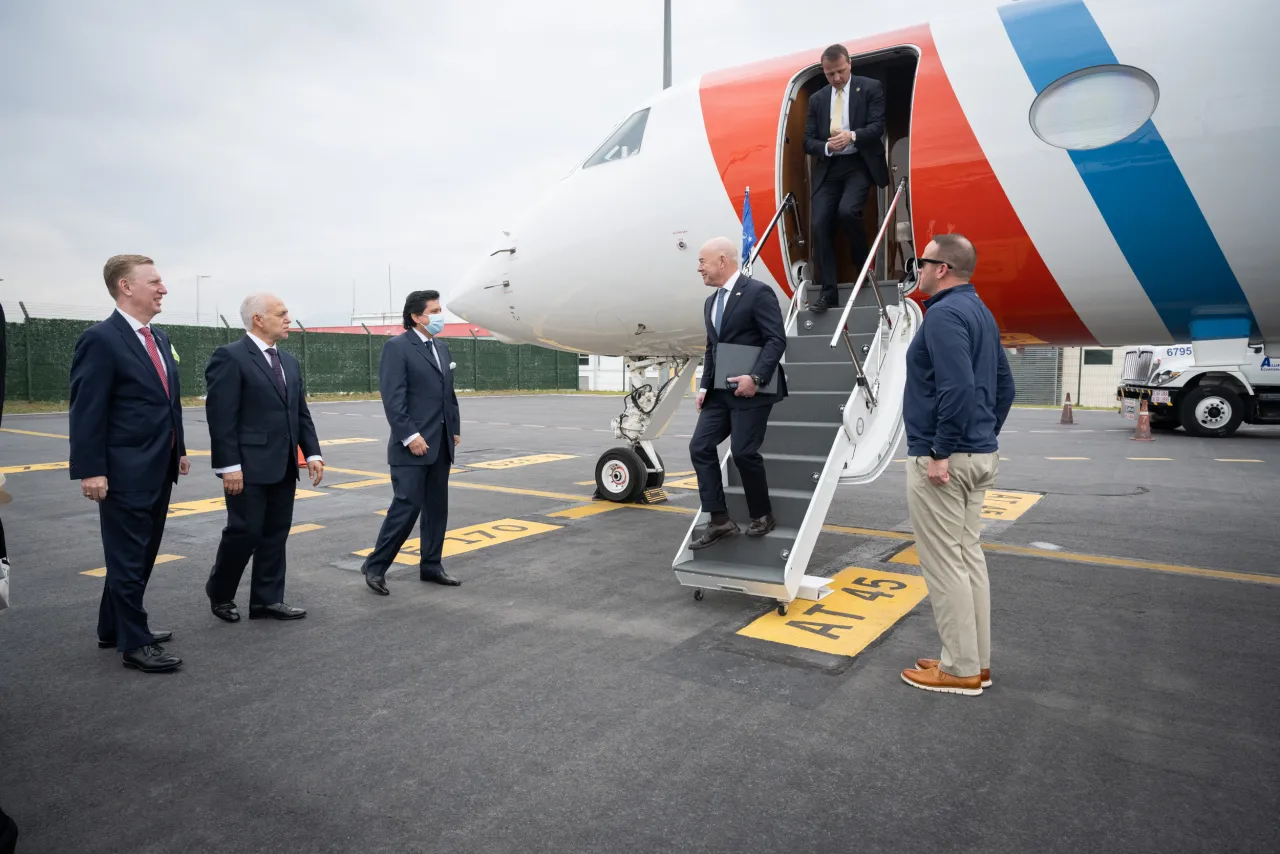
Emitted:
pixel 947 522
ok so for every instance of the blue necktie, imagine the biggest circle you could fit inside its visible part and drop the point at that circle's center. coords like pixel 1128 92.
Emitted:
pixel 719 309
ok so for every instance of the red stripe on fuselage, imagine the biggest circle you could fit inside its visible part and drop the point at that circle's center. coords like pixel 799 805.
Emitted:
pixel 953 187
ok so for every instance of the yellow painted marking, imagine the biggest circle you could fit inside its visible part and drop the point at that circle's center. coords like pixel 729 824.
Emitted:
pixel 305 529
pixel 1237 461
pixel 1066 458
pixel 328 443
pixel 903 460
pixel 517 462
pixel 908 556
pixel 1103 560
pixel 35 467
pixel 361 484
pixel 512 490
pixel 687 483
pixel 1007 506
pixel 594 509
pixel 33 433
pixel 1151 459
pixel 211 505
pixel 867 532
pixel 863 605
pixel 191 453
pixel 101 572
pixel 463 540
pixel 336 470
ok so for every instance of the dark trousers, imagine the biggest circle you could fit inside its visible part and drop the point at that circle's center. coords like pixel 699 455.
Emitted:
pixel 258 522
pixel 8 834
pixel 745 430
pixel 839 201
pixel 420 491
pixel 132 526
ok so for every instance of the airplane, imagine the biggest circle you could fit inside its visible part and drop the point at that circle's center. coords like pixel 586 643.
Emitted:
pixel 1109 161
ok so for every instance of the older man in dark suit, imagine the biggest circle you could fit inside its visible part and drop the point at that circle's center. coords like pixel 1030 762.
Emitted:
pixel 843 132
pixel 416 377
pixel 127 450
pixel 742 311
pixel 258 418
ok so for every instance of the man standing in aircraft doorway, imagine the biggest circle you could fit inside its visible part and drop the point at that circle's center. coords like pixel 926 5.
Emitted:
pixel 740 311
pixel 843 132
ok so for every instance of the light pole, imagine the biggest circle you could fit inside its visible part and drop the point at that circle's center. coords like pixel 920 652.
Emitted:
pixel 198 278
pixel 666 45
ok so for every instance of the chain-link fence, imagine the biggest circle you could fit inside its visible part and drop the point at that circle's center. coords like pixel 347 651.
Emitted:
pixel 40 350
pixel 1037 375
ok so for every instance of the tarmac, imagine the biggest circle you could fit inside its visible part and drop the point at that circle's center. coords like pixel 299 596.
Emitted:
pixel 571 696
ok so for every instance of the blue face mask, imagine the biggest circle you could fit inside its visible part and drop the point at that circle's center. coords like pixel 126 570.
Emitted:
pixel 436 325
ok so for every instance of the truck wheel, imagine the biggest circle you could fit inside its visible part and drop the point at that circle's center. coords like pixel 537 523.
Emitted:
pixel 1211 411
pixel 1165 422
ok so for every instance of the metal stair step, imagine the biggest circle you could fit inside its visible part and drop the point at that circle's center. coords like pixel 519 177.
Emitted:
pixel 816 348
pixel 820 376
pixel 815 406
pixel 733 571
pixel 789 505
pixel 761 552
pixel 862 318
pixel 785 471
pixel 798 437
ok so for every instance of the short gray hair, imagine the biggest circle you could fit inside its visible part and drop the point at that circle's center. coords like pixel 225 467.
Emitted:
pixel 958 252
pixel 722 246
pixel 253 304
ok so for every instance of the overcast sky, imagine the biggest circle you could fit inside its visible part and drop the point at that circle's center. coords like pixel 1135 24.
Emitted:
pixel 300 146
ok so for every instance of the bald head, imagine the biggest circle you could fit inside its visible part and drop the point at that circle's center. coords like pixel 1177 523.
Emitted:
pixel 717 261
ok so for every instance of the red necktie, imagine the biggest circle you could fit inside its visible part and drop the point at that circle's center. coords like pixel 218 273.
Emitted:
pixel 155 358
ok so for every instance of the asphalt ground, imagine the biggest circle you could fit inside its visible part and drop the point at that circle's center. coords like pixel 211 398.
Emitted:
pixel 572 696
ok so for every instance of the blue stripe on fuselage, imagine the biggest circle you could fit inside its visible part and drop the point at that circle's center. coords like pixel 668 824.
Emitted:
pixel 1137 186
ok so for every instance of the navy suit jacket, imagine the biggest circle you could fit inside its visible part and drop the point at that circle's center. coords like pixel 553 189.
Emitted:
pixel 752 317
pixel 866 119
pixel 417 397
pixel 123 425
pixel 250 423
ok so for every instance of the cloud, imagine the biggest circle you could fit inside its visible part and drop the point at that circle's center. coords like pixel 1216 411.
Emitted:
pixel 300 146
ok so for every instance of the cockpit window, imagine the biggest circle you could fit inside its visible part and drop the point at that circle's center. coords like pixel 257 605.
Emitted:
pixel 624 142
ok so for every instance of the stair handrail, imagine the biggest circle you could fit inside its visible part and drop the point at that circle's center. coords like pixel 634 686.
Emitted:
pixel 842 326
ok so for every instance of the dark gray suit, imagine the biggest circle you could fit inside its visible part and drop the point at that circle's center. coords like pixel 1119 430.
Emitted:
pixel 418 398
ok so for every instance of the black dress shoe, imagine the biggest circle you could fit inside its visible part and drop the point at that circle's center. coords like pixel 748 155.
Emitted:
pixel 225 611
pixel 158 637
pixel 819 307
pixel 151 659
pixel 437 575
pixel 377 584
pixel 712 534
pixel 278 611
pixel 763 525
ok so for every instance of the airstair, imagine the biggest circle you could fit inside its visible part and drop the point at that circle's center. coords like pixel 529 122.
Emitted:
pixel 840 424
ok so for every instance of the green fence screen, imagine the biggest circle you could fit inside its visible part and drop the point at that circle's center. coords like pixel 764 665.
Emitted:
pixel 39 360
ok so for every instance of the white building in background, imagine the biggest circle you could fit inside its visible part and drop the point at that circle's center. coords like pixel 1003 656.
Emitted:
pixel 1091 374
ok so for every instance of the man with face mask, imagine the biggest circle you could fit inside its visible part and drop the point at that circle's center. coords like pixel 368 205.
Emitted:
pixel 416 378
pixel 959 391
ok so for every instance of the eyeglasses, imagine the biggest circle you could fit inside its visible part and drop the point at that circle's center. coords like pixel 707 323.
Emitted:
pixel 930 261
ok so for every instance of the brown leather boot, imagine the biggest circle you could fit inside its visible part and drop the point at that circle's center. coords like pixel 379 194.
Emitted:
pixel 926 663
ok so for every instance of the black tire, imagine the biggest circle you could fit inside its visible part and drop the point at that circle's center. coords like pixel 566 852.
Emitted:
pixel 620 475
pixel 1212 411
pixel 1165 422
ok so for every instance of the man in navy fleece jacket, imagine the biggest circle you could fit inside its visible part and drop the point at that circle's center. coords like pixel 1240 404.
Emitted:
pixel 959 391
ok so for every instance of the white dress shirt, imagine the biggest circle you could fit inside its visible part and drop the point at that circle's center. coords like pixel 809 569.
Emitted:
pixel 262 345
pixel 843 118
pixel 435 354
pixel 727 290
pixel 137 326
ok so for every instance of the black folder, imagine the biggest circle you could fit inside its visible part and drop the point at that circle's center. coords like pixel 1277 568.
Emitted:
pixel 735 360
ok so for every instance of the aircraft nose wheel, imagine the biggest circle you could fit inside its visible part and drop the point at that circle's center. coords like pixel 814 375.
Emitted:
pixel 620 475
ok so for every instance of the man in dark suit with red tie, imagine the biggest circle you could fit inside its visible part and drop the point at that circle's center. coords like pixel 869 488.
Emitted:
pixel 127 450
pixel 256 406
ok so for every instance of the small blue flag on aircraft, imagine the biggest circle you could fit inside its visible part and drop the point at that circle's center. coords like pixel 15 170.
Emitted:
pixel 748 227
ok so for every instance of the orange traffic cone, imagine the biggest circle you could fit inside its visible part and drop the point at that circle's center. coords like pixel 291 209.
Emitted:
pixel 1142 432
pixel 302 461
pixel 1066 412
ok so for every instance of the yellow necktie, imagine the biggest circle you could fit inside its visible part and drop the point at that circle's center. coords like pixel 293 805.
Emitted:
pixel 837 114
